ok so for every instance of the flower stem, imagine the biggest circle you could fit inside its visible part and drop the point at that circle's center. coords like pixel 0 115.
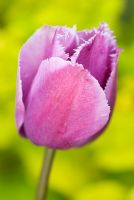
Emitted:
pixel 44 176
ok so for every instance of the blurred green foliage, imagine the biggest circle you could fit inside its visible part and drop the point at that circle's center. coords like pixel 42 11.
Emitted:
pixel 101 170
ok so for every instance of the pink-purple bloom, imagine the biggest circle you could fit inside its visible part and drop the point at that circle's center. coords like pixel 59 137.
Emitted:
pixel 66 85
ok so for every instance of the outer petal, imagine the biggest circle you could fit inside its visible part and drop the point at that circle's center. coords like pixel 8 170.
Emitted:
pixel 45 42
pixel 20 109
pixel 111 85
pixel 95 54
pixel 111 89
pixel 66 106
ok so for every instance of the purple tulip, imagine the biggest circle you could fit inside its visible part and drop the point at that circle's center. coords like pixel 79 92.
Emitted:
pixel 66 85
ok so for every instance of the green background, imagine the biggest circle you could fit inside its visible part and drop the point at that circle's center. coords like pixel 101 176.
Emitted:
pixel 102 170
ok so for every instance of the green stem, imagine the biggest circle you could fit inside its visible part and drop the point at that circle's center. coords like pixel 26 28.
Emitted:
pixel 44 176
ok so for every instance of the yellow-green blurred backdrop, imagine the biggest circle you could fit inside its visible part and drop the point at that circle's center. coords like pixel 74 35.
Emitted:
pixel 99 171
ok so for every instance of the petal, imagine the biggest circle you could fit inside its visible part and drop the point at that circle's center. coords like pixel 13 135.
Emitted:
pixel 45 42
pixel 66 105
pixel 111 85
pixel 68 38
pixel 20 109
pixel 95 54
pixel 111 89
pixel 86 35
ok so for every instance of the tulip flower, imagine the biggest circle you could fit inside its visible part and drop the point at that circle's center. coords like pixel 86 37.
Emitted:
pixel 66 88
pixel 66 85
